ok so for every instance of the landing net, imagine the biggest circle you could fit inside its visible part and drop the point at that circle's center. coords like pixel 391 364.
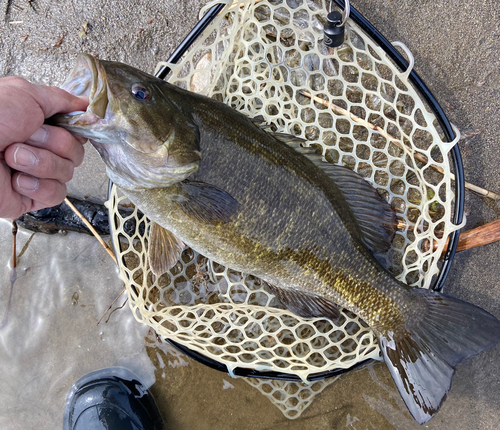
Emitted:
pixel 267 58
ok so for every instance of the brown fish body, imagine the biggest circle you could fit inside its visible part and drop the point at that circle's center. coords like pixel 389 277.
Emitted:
pixel 293 228
pixel 210 178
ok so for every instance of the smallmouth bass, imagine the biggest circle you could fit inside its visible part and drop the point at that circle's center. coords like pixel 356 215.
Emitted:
pixel 209 177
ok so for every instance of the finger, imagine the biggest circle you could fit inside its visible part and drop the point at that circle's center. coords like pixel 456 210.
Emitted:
pixel 54 100
pixel 35 205
pixel 59 141
pixel 38 162
pixel 42 192
pixel 20 114
pixel 24 106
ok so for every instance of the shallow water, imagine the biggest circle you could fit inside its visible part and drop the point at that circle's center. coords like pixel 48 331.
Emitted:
pixel 51 337
pixel 64 285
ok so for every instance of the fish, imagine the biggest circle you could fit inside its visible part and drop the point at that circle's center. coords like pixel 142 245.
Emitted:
pixel 211 178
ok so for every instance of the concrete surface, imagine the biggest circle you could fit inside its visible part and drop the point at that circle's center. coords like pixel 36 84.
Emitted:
pixel 52 339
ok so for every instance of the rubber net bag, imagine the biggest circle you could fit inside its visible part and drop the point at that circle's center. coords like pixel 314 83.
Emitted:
pixel 267 58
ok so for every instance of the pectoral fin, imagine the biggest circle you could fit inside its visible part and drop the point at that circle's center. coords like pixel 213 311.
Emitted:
pixel 206 203
pixel 165 249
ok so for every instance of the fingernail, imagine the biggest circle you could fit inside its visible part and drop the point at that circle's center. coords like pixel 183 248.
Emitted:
pixel 26 182
pixel 24 157
pixel 39 136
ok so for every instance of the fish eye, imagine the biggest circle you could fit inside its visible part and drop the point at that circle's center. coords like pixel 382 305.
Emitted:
pixel 140 92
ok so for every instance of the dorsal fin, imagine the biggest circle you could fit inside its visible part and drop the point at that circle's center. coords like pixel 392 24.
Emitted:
pixel 374 216
pixel 291 140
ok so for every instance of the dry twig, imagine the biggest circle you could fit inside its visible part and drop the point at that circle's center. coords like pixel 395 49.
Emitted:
pixel 14 243
pixel 111 305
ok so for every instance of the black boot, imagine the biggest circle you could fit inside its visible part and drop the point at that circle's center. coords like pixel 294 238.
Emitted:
pixel 111 399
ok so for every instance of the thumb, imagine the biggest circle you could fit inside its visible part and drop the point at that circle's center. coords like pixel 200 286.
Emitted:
pixel 54 100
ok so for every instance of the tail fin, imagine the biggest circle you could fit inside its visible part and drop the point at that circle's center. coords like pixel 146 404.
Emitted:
pixel 422 359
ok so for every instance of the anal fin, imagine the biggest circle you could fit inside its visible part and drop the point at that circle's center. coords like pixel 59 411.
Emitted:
pixel 306 305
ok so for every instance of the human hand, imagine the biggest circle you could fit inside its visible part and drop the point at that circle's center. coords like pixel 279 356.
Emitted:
pixel 36 160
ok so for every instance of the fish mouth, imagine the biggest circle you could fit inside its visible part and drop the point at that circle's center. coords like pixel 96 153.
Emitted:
pixel 86 79
pixel 135 155
pixel 89 78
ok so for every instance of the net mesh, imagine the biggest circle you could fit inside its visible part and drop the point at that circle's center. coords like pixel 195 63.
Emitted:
pixel 354 105
pixel 291 398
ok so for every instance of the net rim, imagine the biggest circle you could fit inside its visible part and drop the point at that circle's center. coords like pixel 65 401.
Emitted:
pixel 252 373
pixel 454 153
